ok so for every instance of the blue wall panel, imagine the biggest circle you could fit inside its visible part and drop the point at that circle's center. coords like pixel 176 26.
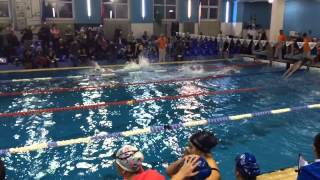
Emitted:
pixel 136 11
pixel 260 10
pixel 81 16
pixel 223 4
pixel 183 11
pixel 302 16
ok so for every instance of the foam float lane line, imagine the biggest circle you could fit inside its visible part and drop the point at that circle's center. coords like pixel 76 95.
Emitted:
pixel 113 74
pixel 151 130
pixel 119 103
pixel 92 88
pixel 247 65
pixel 50 78
pixel 111 66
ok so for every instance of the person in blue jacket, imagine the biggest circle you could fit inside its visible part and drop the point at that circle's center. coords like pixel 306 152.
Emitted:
pixel 312 171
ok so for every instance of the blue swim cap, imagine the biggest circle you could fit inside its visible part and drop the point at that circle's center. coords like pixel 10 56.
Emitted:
pixel 247 165
pixel 204 170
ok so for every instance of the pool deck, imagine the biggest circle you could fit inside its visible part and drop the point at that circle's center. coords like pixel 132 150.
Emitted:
pixel 285 174
pixel 284 61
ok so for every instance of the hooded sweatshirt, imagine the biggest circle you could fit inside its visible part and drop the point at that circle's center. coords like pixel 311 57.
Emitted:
pixel 310 172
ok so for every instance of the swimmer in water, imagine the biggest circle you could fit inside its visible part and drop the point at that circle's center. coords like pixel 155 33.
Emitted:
pixel 195 67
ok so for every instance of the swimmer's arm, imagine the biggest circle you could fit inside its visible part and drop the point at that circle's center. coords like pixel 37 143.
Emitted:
pixel 173 168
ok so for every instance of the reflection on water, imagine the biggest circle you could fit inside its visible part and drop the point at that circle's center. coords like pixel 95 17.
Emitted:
pixel 94 161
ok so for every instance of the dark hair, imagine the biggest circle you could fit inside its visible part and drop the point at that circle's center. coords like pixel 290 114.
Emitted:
pixel 244 177
pixel 304 35
pixel 2 171
pixel 316 144
pixel 204 141
pixel 249 178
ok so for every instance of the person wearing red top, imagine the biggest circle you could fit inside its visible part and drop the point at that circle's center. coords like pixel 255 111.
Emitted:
pixel 129 164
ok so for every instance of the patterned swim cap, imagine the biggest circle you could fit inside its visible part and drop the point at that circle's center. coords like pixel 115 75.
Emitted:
pixel 129 158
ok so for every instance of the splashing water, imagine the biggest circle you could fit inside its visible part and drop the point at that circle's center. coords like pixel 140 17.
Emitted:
pixel 192 69
pixel 133 66
pixel 97 68
pixel 144 62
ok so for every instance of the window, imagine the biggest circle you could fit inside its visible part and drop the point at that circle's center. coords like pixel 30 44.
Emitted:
pixel 4 8
pixel 58 9
pixel 209 9
pixel 165 9
pixel 116 9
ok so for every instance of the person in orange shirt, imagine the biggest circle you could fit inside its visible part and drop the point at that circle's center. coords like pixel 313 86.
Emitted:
pixel 279 47
pixel 162 45
pixel 306 47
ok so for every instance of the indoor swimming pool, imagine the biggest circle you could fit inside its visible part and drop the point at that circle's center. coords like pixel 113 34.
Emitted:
pixel 139 96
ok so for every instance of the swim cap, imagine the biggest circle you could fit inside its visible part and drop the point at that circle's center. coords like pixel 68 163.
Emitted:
pixel 129 158
pixel 203 168
pixel 247 165
pixel 204 141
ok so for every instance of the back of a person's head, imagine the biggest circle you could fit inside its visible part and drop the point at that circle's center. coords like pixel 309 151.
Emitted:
pixel 2 171
pixel 204 141
pixel 316 144
pixel 304 35
pixel 129 158
pixel 247 166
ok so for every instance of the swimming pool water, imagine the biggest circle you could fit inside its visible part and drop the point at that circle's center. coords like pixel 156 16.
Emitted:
pixel 275 140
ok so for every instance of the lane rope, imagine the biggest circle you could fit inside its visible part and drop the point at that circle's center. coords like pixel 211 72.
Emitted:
pixel 150 130
pixel 114 74
pixel 115 65
pixel 116 85
pixel 118 103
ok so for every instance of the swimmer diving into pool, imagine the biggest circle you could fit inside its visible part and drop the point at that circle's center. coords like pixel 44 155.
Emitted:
pixel 306 58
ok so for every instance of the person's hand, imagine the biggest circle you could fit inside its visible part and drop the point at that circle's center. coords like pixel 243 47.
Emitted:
pixel 187 170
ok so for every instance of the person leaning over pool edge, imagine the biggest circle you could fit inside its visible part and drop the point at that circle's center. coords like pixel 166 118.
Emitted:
pixel 128 161
pixel 200 143
pixel 312 171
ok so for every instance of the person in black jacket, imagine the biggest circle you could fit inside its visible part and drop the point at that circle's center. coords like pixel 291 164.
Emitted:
pixel 44 35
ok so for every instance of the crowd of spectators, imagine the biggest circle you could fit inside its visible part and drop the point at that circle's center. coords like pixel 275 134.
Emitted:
pixel 50 45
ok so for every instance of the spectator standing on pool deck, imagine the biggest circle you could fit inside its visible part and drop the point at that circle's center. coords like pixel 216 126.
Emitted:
pixel 279 46
pixel 2 171
pixel 129 164
pixel 312 171
pixel 247 167
pixel 201 144
pixel 162 45
pixel 306 48
pixel 318 51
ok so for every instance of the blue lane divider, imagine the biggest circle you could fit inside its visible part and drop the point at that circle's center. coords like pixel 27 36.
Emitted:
pixel 152 129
